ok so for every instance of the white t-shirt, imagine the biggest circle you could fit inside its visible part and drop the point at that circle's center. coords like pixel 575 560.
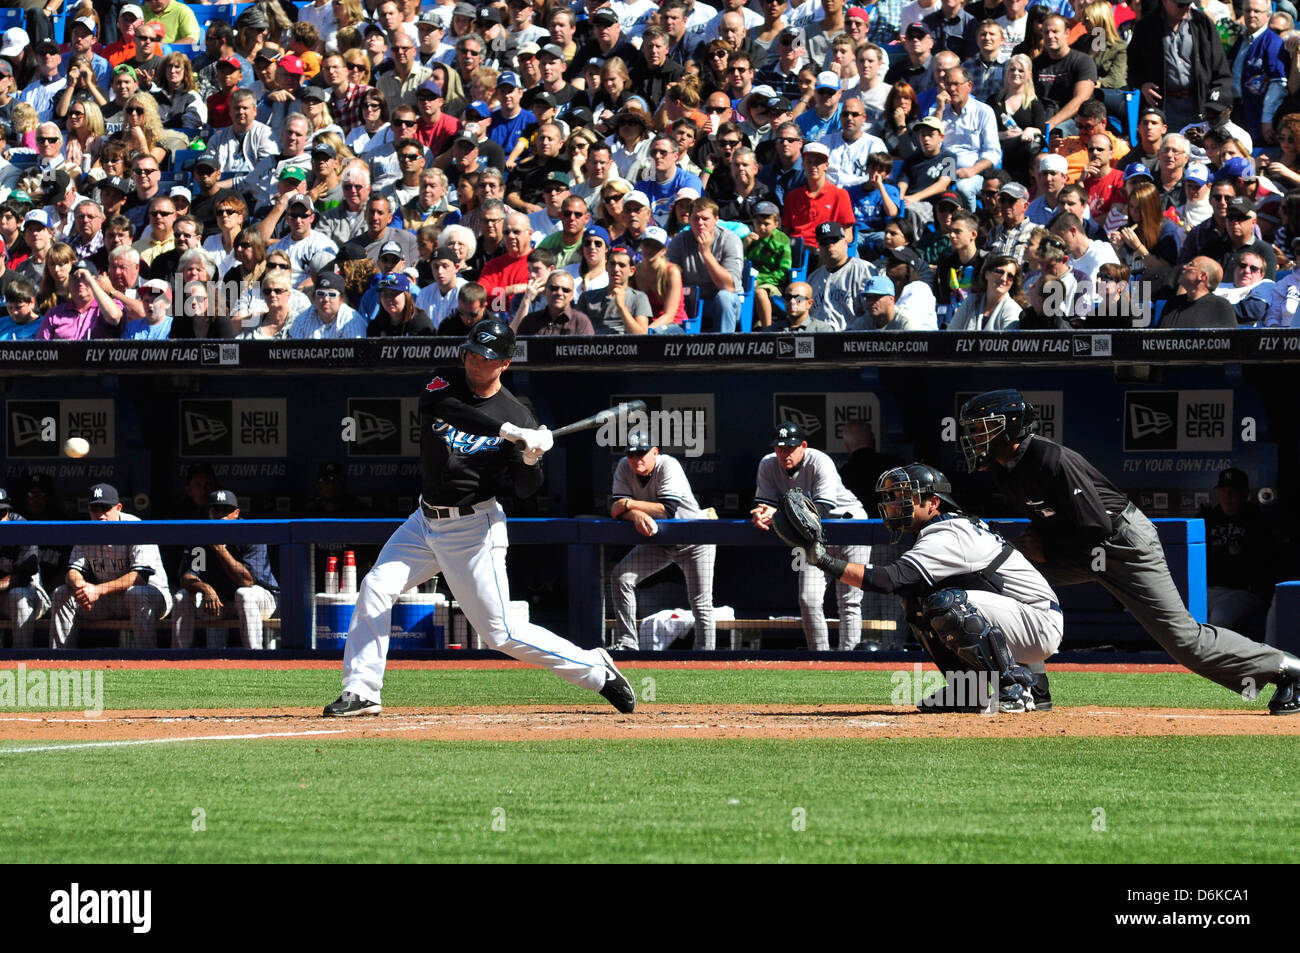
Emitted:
pixel 1099 253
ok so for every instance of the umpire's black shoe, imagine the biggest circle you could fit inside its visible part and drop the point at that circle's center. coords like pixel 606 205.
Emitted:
pixel 1286 700
pixel 349 704
pixel 1042 694
pixel 618 690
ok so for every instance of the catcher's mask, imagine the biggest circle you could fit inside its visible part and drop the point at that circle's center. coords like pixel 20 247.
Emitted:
pixel 901 486
pixel 991 421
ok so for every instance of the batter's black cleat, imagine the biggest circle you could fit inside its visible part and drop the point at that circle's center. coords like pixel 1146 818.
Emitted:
pixel 1286 700
pixel 349 704
pixel 1042 694
pixel 618 690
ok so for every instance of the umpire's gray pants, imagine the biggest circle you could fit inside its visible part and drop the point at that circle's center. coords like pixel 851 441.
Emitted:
pixel 143 605
pixel 696 564
pixel 812 596
pixel 1136 574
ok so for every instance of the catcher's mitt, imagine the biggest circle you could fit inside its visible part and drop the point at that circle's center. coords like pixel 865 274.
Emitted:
pixel 799 524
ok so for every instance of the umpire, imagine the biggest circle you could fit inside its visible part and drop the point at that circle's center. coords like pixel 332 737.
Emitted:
pixel 1074 511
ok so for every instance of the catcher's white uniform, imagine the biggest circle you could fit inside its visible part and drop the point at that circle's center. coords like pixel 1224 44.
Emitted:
pixel 952 548
pixel 816 476
pixel 667 484
pixel 144 605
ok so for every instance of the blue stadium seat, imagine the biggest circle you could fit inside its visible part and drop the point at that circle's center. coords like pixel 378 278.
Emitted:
pixel 10 18
pixel 748 281
pixel 1132 101
pixel 182 159
pixel 1158 312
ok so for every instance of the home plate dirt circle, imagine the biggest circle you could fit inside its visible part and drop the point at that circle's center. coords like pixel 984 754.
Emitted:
pixel 652 721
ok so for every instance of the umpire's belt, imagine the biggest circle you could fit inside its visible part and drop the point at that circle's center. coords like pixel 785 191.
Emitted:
pixel 444 512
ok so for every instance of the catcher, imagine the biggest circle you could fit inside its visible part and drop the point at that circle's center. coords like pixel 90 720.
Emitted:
pixel 974 601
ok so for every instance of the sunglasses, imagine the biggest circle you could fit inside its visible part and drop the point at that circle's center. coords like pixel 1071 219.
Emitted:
pixel 277 266
pixel 227 211
pixel 48 139
pixel 555 288
pixel 403 122
pixel 612 198
pixel 406 156
pixel 138 171
pixel 795 297
pixel 1246 267
pixel 593 243
pixel 327 294
pixel 160 214
pixel 369 105
pixel 132 110
pixel 1003 273
pixel 719 110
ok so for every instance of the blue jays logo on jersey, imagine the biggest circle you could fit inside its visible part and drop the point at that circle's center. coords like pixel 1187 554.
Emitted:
pixel 464 443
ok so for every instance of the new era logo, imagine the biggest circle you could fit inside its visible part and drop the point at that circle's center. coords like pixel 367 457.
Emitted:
pixel 809 422
pixel 1146 421
pixel 371 427
pixel 201 429
pixel 24 429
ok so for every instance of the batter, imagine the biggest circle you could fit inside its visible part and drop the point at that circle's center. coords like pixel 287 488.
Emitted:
pixel 476 441
pixel 793 464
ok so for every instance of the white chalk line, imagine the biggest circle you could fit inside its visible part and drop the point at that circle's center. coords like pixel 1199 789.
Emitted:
pixel 163 741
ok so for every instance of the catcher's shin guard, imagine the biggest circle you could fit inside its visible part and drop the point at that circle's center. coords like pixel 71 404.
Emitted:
pixel 971 637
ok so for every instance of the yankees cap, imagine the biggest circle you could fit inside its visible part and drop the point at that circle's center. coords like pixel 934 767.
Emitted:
pixel 104 494
pixel 638 441
pixel 1232 478
pixel 224 499
pixel 4 501
pixel 789 434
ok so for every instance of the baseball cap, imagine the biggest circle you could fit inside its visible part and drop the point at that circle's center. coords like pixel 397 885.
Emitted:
pixel 1240 207
pixel 88 23
pixel 47 46
pixel 231 62
pixel 38 216
pixel 487 15
pixel 292 64
pixel 916 26
pixel 951 198
pixel 1014 189
pixel 1136 170
pixel 552 49
pixel 1235 168
pixel 777 104
pixel 329 280
pixel 252 19
pixel 293 173
pixel 828 232
pixel 55 185
pixel 816 149
pixel 116 182
pixel 479 108
pixel 466 139
pixel 42 482
pixel 1197 172
pixel 429 86
pixel 878 287
pixel 4 500
pixel 638 441
pixel 318 93
pixel 15 41
pixel 605 16
pixel 508 79
pixel 637 198
pixel 1234 479
pixel 598 231
pixel 540 97
pixel 391 248
pixel 394 281
pixel 6 68
pixel 1051 162
pixel 527 49
pixel 683 194
pixel 104 494
pixel 765 91
pixel 321 148
pixel 464 10
pixel 1152 111
pixel 85 265
pixel 929 122
pixel 208 160
pixel 766 208
pixel 133 10
pixel 445 254
pixel 789 434
pixel 181 192
pixel 793 35
pixel 330 470
pixel 352 251
pixel 827 80
pixel 559 178
pixel 857 13
pixel 905 256
pixel 223 499
pixel 302 199
pixel 269 53
pixel 653 234
pixel 158 285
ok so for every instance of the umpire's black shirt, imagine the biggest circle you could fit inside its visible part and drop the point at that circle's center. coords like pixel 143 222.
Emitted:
pixel 1067 500
pixel 462 458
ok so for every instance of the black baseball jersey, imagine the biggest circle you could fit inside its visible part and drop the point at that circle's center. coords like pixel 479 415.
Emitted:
pixel 1068 501
pixel 463 460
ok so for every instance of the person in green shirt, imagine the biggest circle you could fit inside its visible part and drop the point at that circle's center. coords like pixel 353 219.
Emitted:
pixel 567 242
pixel 178 20
pixel 767 249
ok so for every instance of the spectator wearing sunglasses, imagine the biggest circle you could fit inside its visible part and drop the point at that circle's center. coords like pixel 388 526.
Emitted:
pixel 330 316
pixel 559 316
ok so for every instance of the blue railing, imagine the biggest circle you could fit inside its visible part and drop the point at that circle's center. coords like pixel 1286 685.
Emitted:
pixel 1183 540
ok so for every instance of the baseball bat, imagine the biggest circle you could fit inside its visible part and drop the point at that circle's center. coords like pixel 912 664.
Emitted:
pixel 600 419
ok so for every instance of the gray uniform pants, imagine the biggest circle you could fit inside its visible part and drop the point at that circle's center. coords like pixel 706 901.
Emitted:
pixel 696 564
pixel 251 606
pixel 1136 574
pixel 25 604
pixel 143 605
pixel 812 596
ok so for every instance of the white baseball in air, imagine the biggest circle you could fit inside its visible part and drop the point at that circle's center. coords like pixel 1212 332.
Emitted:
pixel 76 447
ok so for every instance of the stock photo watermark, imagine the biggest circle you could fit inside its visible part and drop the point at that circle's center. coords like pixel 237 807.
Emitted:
pixel 59 689
pixel 683 429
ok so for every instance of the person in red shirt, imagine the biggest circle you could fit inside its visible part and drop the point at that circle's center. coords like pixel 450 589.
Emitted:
pixel 1105 184
pixel 124 49
pixel 507 274
pixel 229 72
pixel 819 201
pixel 434 128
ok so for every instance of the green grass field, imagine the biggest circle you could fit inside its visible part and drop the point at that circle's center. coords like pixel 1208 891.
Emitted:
pixel 1188 799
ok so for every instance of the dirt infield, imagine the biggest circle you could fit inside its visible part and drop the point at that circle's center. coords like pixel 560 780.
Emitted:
pixel 549 722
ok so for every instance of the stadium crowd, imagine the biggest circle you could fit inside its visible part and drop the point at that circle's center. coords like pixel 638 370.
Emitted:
pixel 333 168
